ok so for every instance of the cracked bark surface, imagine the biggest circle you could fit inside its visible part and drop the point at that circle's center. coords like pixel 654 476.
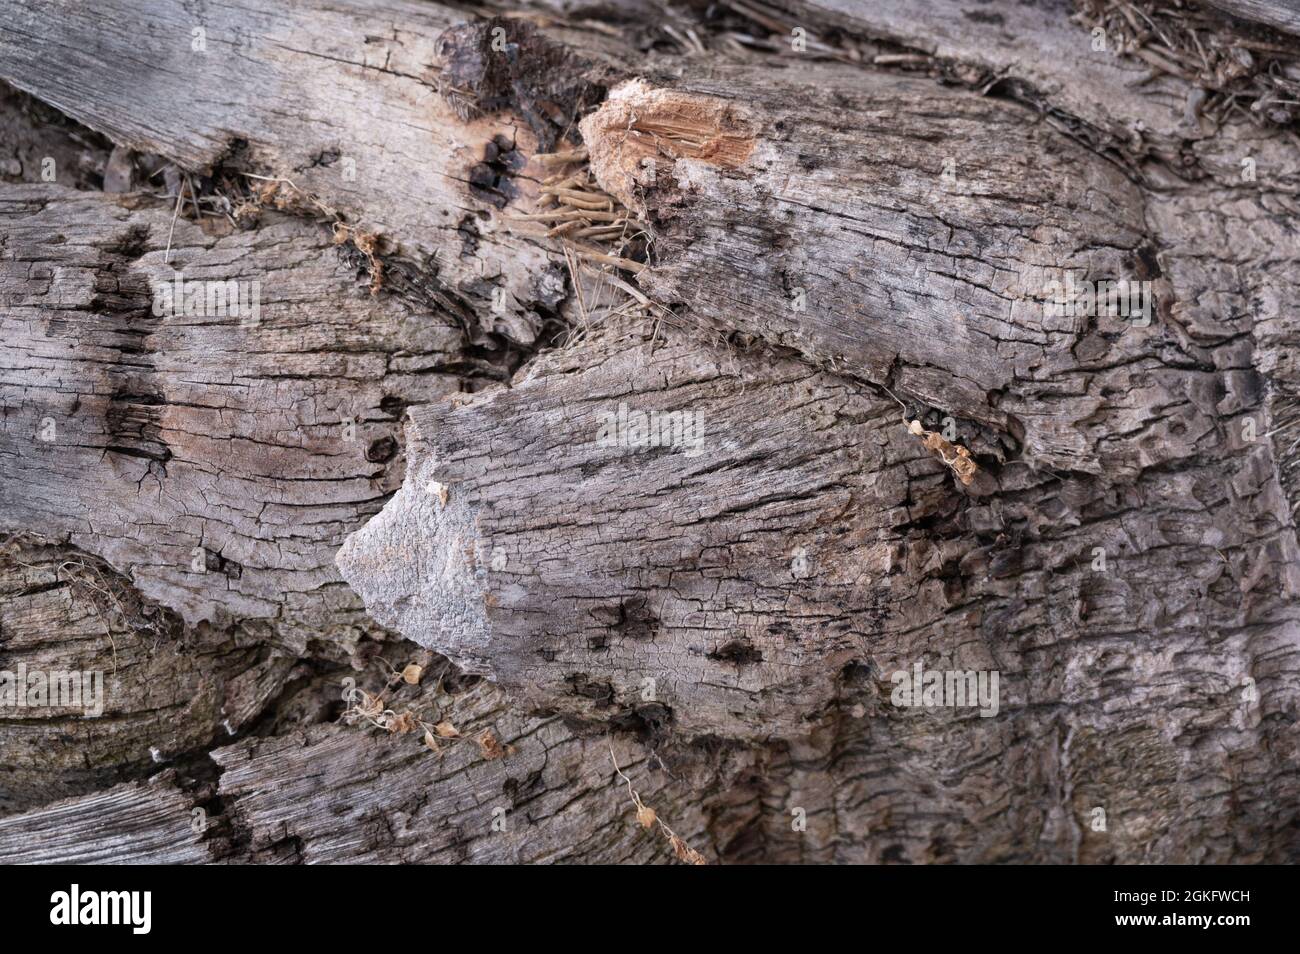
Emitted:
pixel 205 457
pixel 721 625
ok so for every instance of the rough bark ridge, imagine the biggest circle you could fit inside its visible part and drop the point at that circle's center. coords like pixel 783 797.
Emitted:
pixel 843 218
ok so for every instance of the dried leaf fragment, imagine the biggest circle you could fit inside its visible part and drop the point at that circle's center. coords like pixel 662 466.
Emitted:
pixel 371 707
pixel 490 746
pixel 402 724
pixel 412 673
pixel 645 816
pixel 446 730
pixel 367 243
pixel 685 852
pixel 956 457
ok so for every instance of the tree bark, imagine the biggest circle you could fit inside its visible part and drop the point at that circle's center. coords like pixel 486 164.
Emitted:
pixel 837 225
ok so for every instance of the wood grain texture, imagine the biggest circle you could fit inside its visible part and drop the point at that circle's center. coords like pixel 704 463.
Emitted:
pixel 342 99
pixel 134 823
pixel 1283 14
pixel 894 281
pixel 161 693
pixel 700 586
pixel 353 794
pixel 720 615
pixel 205 457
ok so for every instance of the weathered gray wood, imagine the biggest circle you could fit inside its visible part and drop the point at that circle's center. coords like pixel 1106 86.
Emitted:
pixel 698 585
pixel 169 443
pixel 894 280
pixel 134 823
pixel 726 621
pixel 574 572
pixel 356 794
pixel 1037 45
pixel 1283 14
pixel 159 692
pixel 341 99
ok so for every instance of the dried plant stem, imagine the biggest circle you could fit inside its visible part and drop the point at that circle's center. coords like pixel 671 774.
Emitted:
pixel 647 816
pixel 594 215
pixel 603 259
pixel 180 193
pixel 562 158
pixel 566 227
